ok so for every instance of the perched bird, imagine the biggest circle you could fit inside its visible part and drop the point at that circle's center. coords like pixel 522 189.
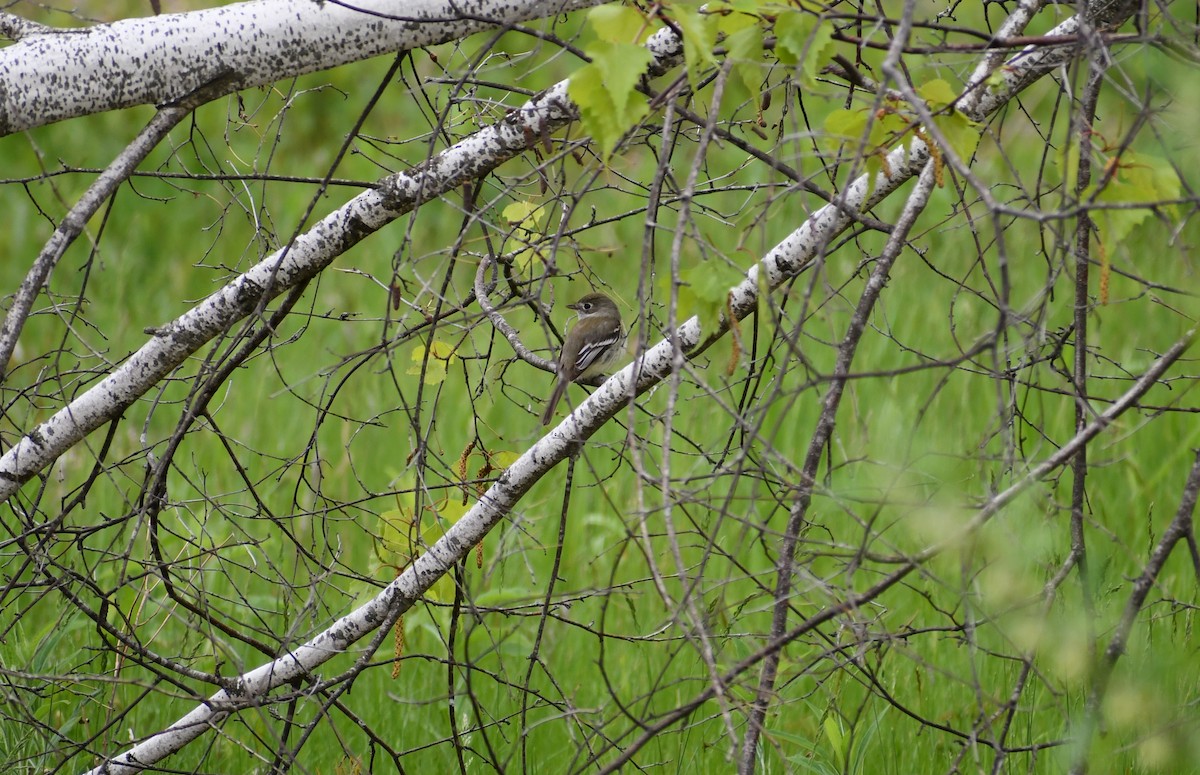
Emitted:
pixel 594 343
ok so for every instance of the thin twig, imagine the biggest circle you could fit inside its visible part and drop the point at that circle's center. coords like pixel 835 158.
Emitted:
pixel 1083 411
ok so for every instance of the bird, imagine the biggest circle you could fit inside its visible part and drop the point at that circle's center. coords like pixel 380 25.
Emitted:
pixel 595 342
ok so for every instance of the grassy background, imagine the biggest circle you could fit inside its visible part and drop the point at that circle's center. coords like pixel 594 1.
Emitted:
pixel 912 455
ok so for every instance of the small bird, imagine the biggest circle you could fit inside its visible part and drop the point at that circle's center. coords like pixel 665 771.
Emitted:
pixel 594 343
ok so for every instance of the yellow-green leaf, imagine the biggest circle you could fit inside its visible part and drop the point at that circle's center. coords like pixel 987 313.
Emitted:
pixel 1166 180
pixel 448 511
pixel 519 212
pixel 618 24
pixel 937 93
pixel 743 7
pixel 705 291
pixel 520 215
pixel 846 124
pixel 699 40
pixel 874 166
pixel 803 41
pixel 504 458
pixel 605 91
pixel 1136 179
pixel 960 131
pixel 403 538
pixel 395 535
pixel 745 51
pixel 441 355
pixel 731 23
pixel 887 129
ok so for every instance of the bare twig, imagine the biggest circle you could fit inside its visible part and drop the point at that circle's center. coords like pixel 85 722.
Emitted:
pixel 483 290
pixel 1083 412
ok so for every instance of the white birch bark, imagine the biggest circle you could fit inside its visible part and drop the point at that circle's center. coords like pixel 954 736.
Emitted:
pixel 783 262
pixel 51 73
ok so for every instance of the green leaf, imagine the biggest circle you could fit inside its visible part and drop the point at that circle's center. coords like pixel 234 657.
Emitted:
pixel 802 40
pixel 403 538
pixel 441 355
pixel 503 458
pixel 730 23
pixel 1135 179
pixel 961 132
pixel 519 215
pixel 1138 179
pixel 518 212
pixel 622 65
pixel 742 7
pixel 745 49
pixel 705 291
pixel 888 129
pixel 1166 180
pixel 699 40
pixel 394 527
pixel 605 91
pixel 712 280
pixel 442 352
pixel 846 124
pixel 1149 178
pixel 1116 225
pixel 937 93
pixel 619 24
pixel 837 740
pixel 690 304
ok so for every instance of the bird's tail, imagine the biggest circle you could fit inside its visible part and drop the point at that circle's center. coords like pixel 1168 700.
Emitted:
pixel 559 387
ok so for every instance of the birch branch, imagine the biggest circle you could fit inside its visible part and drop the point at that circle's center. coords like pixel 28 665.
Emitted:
pixel 56 73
